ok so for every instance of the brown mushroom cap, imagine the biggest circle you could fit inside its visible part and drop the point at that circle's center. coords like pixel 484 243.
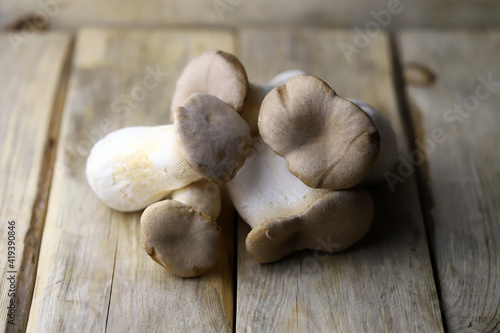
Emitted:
pixel 179 238
pixel 327 141
pixel 214 72
pixel 332 223
pixel 213 138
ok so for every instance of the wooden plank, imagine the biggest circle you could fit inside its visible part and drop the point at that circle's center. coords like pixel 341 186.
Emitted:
pixel 29 79
pixel 383 284
pixel 461 167
pixel 65 14
pixel 94 274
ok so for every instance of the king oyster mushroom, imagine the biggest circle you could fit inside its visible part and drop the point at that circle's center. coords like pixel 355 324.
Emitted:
pixel 181 234
pixel 327 141
pixel 286 215
pixel 133 167
pixel 221 74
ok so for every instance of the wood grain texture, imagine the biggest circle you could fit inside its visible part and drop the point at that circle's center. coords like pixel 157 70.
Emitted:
pixel 29 79
pixel 461 170
pixel 94 274
pixel 384 283
pixel 72 14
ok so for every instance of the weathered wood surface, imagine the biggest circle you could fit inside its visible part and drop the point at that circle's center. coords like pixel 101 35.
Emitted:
pixel 94 275
pixel 383 284
pixel 73 14
pixel 460 172
pixel 29 81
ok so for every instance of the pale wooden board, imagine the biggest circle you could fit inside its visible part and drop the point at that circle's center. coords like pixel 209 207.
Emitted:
pixel 383 284
pixel 461 176
pixel 94 274
pixel 29 84
pixel 72 14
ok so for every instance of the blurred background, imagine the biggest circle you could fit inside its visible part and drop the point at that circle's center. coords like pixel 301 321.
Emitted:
pixel 73 14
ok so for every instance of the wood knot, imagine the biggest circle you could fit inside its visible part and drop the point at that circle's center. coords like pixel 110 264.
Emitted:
pixel 30 22
pixel 419 75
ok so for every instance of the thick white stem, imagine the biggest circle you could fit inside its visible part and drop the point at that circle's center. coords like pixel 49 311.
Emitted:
pixel 264 189
pixel 203 196
pixel 388 145
pixel 133 167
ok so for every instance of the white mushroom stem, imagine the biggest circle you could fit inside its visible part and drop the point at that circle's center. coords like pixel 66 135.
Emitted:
pixel 256 94
pixel 133 167
pixel 388 146
pixel 202 196
pixel 264 189
pixel 286 215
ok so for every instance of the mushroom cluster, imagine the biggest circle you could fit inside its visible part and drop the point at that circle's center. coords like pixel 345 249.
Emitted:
pixel 292 154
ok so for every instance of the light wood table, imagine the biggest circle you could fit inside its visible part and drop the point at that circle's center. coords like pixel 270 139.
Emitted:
pixel 430 263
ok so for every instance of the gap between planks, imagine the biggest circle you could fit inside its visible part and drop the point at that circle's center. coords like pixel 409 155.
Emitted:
pixel 111 287
pixel 109 241
pixel 28 267
pixel 460 174
pixel 408 123
pixel 29 263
